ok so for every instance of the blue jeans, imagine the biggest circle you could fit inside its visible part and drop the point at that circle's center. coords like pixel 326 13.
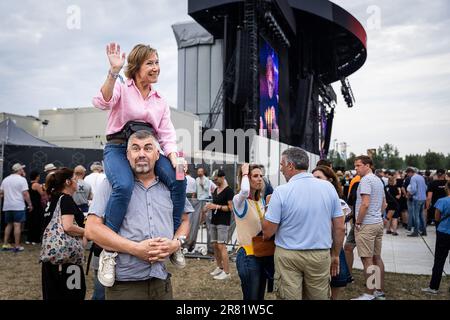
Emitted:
pixel 120 175
pixel 417 213
pixel 252 274
pixel 99 290
pixel 344 276
pixel 411 224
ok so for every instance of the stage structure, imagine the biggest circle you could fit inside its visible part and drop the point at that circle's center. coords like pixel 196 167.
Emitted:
pixel 279 58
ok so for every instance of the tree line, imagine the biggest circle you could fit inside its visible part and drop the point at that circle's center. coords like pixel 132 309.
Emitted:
pixel 387 157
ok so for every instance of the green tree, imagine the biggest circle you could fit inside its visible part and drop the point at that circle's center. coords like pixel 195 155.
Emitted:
pixel 447 162
pixel 415 160
pixel 350 162
pixel 434 160
pixel 388 157
pixel 336 159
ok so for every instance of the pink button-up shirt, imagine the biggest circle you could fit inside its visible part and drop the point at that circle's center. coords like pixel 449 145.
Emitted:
pixel 127 104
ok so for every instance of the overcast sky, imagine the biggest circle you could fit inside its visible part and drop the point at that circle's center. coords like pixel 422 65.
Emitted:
pixel 402 92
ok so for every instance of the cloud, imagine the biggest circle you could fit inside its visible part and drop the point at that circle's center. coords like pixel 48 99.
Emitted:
pixel 50 65
pixel 401 92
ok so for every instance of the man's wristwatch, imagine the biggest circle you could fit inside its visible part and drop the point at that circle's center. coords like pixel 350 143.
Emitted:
pixel 182 240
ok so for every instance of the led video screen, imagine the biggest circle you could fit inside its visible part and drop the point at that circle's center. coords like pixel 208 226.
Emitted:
pixel 268 91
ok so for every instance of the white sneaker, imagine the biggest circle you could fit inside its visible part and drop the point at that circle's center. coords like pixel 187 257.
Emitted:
pixel 216 271
pixel 222 276
pixel 379 295
pixel 27 242
pixel 106 268
pixel 365 296
pixel 178 260
pixel 430 291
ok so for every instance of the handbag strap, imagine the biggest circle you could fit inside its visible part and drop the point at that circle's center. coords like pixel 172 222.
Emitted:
pixel 258 209
pixel 57 211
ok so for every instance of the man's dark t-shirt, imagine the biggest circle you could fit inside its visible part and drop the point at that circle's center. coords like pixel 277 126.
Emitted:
pixel 406 182
pixel 221 217
pixel 399 183
pixel 438 189
pixel 68 206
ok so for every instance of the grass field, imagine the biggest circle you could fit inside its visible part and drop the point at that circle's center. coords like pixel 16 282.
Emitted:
pixel 20 278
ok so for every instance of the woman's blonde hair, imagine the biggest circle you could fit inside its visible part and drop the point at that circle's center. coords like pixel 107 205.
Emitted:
pixel 258 194
pixel 136 58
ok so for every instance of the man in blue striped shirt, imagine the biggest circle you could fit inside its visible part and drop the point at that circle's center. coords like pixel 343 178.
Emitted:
pixel 417 189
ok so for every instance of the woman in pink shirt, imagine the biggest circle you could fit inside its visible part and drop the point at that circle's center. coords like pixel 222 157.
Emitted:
pixel 133 105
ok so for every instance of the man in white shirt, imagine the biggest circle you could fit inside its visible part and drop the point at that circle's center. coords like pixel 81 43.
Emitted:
pixel 205 187
pixel 14 189
pixel 96 176
pixel 191 186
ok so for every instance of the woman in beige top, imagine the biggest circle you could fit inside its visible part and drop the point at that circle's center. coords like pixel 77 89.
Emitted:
pixel 248 208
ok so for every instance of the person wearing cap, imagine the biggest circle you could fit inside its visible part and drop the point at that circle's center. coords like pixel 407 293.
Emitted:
pixel 435 191
pixel 220 223
pixel 14 189
pixel 83 194
pixel 96 176
pixel 49 168
pixel 417 189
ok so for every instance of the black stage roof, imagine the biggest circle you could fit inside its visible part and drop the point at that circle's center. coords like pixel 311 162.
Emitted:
pixel 339 39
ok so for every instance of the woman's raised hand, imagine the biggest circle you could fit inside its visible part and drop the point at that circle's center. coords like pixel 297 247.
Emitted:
pixel 244 168
pixel 115 59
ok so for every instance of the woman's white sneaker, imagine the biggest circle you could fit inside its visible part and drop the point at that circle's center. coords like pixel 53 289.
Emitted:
pixel 216 271
pixel 222 276
pixel 107 268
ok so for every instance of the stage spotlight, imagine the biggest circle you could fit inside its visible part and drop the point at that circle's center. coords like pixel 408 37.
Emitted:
pixel 347 93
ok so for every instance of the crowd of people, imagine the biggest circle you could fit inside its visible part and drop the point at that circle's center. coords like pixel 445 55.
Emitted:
pixel 307 218
pixel 136 215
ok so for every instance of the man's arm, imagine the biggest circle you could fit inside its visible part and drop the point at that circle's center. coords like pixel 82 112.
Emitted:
pixel 365 201
pixel 384 205
pixel 96 231
pixel 160 250
pixel 183 229
pixel 338 234
pixel 428 201
pixel 269 229
pixel 412 186
pixel 437 215
pixel 274 212
pixel 26 197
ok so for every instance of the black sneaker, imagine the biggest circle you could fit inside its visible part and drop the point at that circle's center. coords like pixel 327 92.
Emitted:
pixel 413 235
